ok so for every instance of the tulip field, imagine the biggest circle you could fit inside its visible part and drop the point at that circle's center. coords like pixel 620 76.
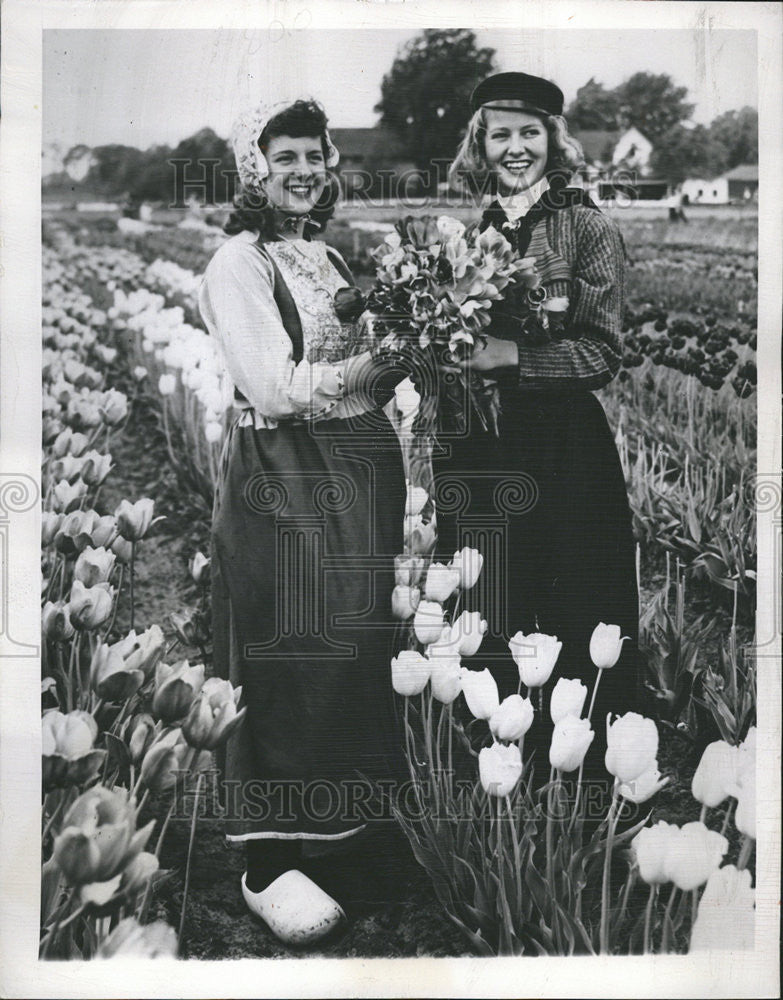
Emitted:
pixel 499 856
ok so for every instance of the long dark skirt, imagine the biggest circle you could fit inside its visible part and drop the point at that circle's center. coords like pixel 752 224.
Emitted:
pixel 546 503
pixel 307 520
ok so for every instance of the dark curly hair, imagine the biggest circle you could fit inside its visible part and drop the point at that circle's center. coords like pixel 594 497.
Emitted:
pixel 302 118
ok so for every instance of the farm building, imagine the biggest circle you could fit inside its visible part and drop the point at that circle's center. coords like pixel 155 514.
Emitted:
pixel 743 182
pixel 629 150
pixel 697 191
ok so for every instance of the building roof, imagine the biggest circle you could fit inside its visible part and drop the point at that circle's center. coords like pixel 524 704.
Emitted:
pixel 743 172
pixel 598 144
pixel 359 144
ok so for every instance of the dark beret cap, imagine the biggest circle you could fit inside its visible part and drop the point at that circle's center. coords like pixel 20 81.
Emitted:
pixel 525 90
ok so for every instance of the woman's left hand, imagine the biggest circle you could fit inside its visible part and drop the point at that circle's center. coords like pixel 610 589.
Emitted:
pixel 496 353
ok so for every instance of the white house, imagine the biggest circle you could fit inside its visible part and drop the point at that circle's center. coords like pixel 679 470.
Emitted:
pixel 697 191
pixel 629 150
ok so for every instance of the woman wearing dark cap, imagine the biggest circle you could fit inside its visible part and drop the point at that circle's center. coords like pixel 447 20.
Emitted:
pixel 545 500
pixel 308 516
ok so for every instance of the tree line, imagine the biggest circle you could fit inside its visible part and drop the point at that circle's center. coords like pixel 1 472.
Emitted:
pixel 424 101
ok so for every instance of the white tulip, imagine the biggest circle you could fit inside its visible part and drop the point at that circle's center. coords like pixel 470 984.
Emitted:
pixel 500 768
pixel 568 698
pixel 512 718
pixel 606 645
pixel 571 740
pixel 410 673
pixel 481 692
pixel 428 622
pixel 468 630
pixel 441 582
pixel 468 563
pixel 535 656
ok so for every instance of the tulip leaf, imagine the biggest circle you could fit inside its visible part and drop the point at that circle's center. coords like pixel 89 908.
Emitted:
pixel 118 751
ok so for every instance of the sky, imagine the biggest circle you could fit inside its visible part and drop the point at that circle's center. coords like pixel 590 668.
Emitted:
pixel 148 87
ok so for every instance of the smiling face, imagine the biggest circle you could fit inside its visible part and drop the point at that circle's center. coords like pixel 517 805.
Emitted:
pixel 516 147
pixel 297 173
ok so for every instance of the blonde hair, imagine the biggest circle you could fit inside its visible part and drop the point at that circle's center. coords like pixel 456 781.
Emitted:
pixel 470 168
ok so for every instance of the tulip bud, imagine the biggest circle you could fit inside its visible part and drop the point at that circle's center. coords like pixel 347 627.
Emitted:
pixel 191 627
pixel 104 531
pixel 213 716
pixel 571 739
pixel 50 525
pixel 198 566
pixel 123 549
pixel 90 606
pixel 726 918
pixel 77 443
pixel 428 622
pixel 445 678
pixel 407 570
pixel 141 735
pixel 165 762
pixel 67 497
pixel 468 563
pixel 213 431
pixel 68 757
pixel 167 384
pixel 114 407
pixel 631 746
pixel 175 688
pixel 693 854
pixel 606 645
pixel 142 652
pixel 410 673
pixel 468 630
pixel 96 468
pixel 134 519
pixel 650 847
pixel 420 537
pixel 99 836
pixel 716 775
pixel 512 718
pixel 500 768
pixel 440 583
pixel 745 813
pixel 568 698
pixel 134 940
pixel 110 677
pixel 139 872
pixel 416 500
pixel 68 468
pixel 62 442
pixel 94 566
pixel 56 621
pixel 644 787
pixel 139 373
pixel 73 534
pixel 535 656
pixel 405 600
pixel 481 692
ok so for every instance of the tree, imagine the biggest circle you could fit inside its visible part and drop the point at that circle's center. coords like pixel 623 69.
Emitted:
pixel 686 152
pixel 594 107
pixel 653 104
pixel 425 97
pixel 736 133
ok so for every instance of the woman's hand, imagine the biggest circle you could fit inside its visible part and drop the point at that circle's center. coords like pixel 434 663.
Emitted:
pixel 496 353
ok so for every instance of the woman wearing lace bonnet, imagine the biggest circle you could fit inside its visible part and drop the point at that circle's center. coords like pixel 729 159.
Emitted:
pixel 307 518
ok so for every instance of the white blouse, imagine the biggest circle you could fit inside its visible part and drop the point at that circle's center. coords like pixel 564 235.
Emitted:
pixel 237 305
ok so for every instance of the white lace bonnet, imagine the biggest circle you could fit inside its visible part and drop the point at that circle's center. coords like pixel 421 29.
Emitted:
pixel 250 159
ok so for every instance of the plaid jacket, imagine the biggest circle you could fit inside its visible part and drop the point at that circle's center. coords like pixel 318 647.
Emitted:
pixel 584 251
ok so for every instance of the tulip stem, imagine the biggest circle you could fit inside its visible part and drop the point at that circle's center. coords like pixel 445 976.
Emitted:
pixel 595 692
pixel 694 907
pixel 745 852
pixel 451 766
pixel 667 921
pixel 549 846
pixel 648 911
pixel 187 867
pixel 132 567
pixel 605 889
pixel 107 633
pixel 517 856
pixel 63 795
pixel 703 814
pixel 727 817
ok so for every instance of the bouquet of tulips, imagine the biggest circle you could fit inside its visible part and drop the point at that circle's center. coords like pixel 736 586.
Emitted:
pixel 514 861
pixel 435 285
